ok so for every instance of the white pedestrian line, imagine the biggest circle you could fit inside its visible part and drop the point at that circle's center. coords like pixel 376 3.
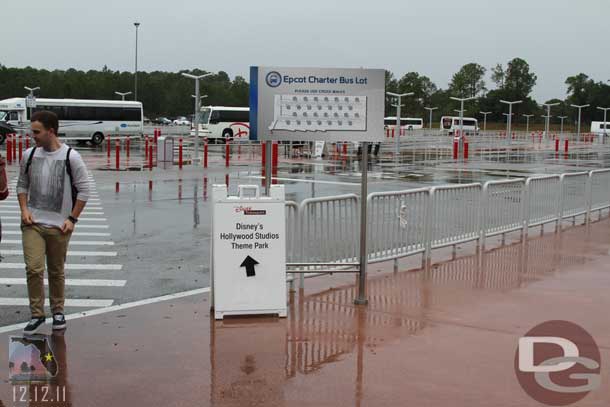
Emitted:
pixel 72 242
pixel 14 211
pixel 70 253
pixel 119 307
pixel 81 219
pixel 80 226
pixel 70 282
pixel 67 303
pixel 68 266
pixel 18 233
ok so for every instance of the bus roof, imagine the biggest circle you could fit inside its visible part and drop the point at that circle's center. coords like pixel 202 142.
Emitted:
pixel 19 103
pixel 458 118
pixel 226 108
pixel 402 118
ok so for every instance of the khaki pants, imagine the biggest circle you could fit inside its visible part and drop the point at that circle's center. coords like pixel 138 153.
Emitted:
pixel 40 244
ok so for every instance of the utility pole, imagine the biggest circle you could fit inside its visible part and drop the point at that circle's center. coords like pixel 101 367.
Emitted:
pixel 430 109
pixel 510 117
pixel 398 106
pixel 197 109
pixel 485 120
pixel 122 94
pixel 547 127
pixel 135 96
pixel 579 107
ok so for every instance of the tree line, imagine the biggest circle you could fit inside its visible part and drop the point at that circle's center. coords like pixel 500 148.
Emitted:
pixel 169 93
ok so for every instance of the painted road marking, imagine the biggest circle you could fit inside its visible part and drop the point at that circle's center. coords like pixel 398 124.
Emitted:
pixel 70 282
pixel 67 303
pixel 70 266
pixel 70 253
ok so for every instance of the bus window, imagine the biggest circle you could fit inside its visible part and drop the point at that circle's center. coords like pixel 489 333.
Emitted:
pixel 205 116
pixel 447 123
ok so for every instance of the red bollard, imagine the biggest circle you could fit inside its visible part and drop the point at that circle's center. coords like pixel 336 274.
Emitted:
pixel 566 147
pixel 150 158
pixel 275 158
pixel 344 150
pixel 9 149
pixel 455 148
pixel 556 145
pixel 227 154
pixel 117 149
pixel 20 147
pixel 393 133
pixel 180 154
pixel 387 133
pixel 108 145
pixel 145 148
pixel 205 153
pixel 264 153
pixel 465 150
pixel 15 147
pixel 157 135
pixel 127 147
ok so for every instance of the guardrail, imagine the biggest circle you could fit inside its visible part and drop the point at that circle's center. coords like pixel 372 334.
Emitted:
pixel 325 231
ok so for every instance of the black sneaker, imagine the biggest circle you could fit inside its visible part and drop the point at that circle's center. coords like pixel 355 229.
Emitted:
pixel 59 321
pixel 33 326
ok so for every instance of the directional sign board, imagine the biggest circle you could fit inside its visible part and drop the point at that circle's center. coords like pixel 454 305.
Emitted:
pixel 316 104
pixel 248 252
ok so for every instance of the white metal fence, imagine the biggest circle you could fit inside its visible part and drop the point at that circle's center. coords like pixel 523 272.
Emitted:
pixel 325 231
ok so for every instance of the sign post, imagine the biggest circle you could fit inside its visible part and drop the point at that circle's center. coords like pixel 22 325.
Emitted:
pixel 320 104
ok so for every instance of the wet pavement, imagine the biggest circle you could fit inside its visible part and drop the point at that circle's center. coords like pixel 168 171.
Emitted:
pixel 446 335
pixel 148 235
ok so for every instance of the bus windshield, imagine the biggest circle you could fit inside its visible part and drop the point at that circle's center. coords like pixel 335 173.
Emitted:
pixel 2 115
pixel 205 116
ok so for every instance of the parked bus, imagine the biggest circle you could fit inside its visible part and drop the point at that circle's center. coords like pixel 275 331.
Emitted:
pixel 79 119
pixel 600 128
pixel 219 123
pixel 408 123
pixel 449 124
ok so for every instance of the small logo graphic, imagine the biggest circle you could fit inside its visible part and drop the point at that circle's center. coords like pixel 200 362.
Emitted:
pixel 558 363
pixel 123 125
pixel 31 359
pixel 273 79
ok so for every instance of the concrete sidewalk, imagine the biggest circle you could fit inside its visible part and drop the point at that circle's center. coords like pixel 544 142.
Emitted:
pixel 440 337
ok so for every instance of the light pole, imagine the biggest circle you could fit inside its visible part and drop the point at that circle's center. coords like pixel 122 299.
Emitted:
pixel 562 118
pixel 122 94
pixel 197 108
pixel 485 119
pixel 31 97
pixel 398 106
pixel 200 99
pixel 462 100
pixel 579 107
pixel 605 133
pixel 509 122
pixel 135 96
pixel 547 125
pixel 430 109
pixel 527 118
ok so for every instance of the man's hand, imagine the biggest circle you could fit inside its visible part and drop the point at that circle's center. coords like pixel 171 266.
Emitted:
pixel 26 217
pixel 68 227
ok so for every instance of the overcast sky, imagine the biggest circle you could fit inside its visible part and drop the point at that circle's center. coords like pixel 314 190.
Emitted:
pixel 558 38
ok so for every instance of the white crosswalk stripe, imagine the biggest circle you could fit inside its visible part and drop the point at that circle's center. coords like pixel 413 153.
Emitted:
pixel 92 219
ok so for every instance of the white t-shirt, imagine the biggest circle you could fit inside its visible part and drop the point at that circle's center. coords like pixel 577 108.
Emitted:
pixel 48 187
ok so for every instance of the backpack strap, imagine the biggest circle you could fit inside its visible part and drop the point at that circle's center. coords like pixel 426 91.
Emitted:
pixel 29 162
pixel 69 171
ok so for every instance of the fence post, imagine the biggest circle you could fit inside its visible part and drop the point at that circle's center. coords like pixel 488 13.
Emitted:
pixel 559 223
pixel 428 214
pixel 589 198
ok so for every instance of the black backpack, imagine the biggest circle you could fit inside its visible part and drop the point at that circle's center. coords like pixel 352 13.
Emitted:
pixel 68 170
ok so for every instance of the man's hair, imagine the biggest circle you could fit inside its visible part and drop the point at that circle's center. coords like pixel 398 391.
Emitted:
pixel 48 120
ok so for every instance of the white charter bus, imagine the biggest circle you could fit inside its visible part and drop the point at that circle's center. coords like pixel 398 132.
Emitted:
pixel 600 128
pixel 79 119
pixel 219 123
pixel 449 124
pixel 409 123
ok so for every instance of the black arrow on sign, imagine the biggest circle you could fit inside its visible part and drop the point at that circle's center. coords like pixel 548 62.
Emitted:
pixel 249 264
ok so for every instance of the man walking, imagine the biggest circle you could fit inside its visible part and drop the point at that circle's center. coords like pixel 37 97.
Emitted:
pixel 52 190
